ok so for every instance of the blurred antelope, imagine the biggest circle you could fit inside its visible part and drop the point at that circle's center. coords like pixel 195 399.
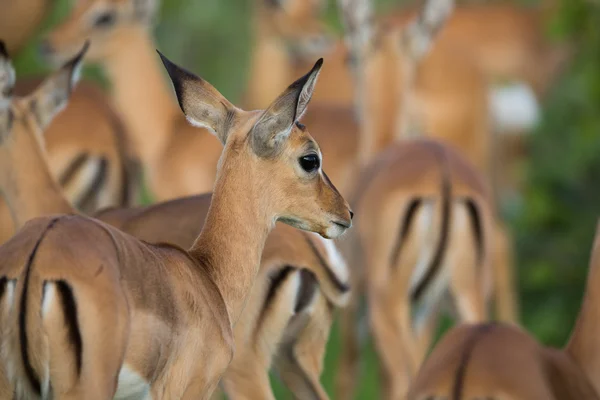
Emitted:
pixel 20 20
pixel 178 159
pixel 87 152
pixel 426 229
pixel 301 279
pixel 497 361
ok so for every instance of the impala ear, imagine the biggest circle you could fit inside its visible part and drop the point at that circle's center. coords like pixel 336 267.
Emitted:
pixel 275 124
pixel 7 76
pixel 201 103
pixel 53 94
pixel 419 35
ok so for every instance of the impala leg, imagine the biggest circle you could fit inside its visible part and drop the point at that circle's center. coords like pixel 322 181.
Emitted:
pixel 467 283
pixel 390 318
pixel 504 282
pixel 348 364
pixel 300 365
pixel 392 343
pixel 426 334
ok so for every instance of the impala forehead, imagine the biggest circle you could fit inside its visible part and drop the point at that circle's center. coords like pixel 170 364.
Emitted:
pixel 302 140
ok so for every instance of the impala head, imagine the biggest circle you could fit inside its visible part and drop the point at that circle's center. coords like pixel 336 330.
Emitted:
pixel 270 151
pixel 102 22
pixel 298 24
pixel 23 120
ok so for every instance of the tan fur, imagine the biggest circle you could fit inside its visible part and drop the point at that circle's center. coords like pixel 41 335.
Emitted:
pixel 167 145
pixel 179 222
pixel 87 126
pixel 505 40
pixel 19 21
pixel 296 340
pixel 157 308
pixel 501 361
pixel 498 361
pixel 388 263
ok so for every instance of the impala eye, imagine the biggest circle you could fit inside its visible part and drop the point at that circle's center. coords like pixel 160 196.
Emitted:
pixel 310 162
pixel 105 20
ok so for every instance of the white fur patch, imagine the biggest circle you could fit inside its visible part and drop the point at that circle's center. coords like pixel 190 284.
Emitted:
pixel 422 227
pixel 132 386
pixel 11 287
pixel 79 186
pixel 48 297
pixel 335 259
pixel 514 107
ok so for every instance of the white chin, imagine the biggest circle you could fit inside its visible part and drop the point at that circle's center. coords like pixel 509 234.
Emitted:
pixel 334 231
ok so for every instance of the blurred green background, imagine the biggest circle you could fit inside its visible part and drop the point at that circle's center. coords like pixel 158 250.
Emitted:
pixel 553 225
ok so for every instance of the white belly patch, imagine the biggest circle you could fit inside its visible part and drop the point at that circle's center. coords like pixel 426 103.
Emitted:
pixel 132 386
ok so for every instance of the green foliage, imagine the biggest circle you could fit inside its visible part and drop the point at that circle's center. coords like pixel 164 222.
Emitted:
pixel 557 223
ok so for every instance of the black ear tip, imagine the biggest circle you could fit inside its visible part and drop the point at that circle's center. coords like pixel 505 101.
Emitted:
pixel 169 65
pixel 75 61
pixel 319 63
pixel 3 51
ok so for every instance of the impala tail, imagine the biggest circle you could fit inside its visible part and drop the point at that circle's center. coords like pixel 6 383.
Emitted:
pixel 441 247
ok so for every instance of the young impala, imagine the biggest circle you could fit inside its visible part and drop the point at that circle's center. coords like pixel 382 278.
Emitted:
pixel 424 230
pixel 165 314
pixel 503 362
pixel 301 279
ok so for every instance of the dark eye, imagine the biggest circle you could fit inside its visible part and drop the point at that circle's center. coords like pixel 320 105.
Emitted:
pixel 105 20
pixel 310 162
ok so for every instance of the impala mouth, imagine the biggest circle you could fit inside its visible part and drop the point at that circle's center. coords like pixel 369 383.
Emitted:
pixel 341 224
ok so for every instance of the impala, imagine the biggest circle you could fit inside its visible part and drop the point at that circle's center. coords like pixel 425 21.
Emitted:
pixel 186 302
pixel 87 152
pixel 289 311
pixel 300 281
pixel 426 229
pixel 498 361
pixel 20 20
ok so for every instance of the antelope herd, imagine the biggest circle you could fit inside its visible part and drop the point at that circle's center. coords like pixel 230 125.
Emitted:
pixel 236 272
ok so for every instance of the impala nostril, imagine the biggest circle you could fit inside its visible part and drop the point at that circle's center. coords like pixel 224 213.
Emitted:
pixel 351 214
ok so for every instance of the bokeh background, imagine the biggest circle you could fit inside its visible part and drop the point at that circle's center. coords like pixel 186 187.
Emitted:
pixel 553 222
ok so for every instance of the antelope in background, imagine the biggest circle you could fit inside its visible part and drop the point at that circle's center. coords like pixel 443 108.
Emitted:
pixel 385 98
pixel 300 282
pixel 193 305
pixel 424 228
pixel 179 159
pixel 87 152
pixel 492 361
pixel 20 19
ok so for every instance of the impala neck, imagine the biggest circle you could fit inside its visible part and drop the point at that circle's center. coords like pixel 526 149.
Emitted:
pixel 31 191
pixel 584 345
pixel 237 224
pixel 141 94
pixel 270 67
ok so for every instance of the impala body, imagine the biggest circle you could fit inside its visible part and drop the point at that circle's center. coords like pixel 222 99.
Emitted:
pixel 73 287
pixel 499 361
